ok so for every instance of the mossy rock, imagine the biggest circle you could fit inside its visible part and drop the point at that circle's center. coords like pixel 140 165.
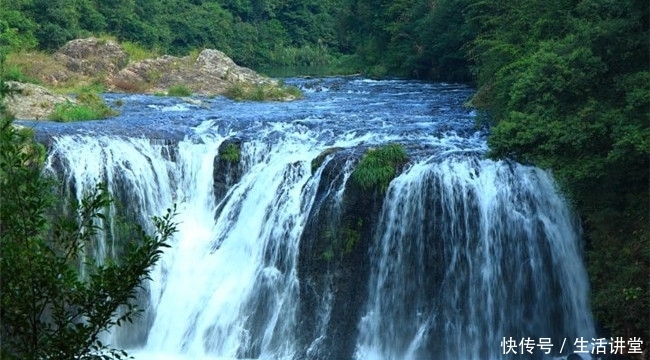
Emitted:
pixel 230 152
pixel 318 160
pixel 379 166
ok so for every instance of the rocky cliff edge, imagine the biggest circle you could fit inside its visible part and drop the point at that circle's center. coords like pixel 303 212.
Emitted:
pixel 99 60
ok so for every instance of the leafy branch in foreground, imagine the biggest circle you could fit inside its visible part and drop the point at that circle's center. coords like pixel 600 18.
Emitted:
pixel 56 301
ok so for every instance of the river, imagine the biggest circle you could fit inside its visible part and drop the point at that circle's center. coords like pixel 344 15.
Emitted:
pixel 458 258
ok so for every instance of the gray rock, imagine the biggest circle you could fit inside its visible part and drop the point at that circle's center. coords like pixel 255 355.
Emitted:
pixel 211 74
pixel 33 102
pixel 92 56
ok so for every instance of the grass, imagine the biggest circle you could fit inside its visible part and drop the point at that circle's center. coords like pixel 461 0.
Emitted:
pixel 178 90
pixel 231 153
pixel 301 56
pixel 378 167
pixel 80 88
pixel 33 65
pixel 318 160
pixel 262 92
pixel 91 106
pixel 194 55
pixel 138 53
pixel 15 73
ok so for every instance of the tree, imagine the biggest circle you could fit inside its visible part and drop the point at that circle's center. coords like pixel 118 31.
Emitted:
pixel 50 308
pixel 567 87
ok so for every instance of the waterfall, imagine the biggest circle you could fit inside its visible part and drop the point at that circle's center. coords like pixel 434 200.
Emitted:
pixel 458 254
pixel 468 252
pixel 228 286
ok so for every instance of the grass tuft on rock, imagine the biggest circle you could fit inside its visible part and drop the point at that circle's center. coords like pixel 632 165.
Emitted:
pixel 378 167
pixel 179 90
pixel 231 153
pixel 262 92
pixel 90 106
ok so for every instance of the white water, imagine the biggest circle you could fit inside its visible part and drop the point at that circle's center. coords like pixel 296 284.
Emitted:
pixel 221 270
pixel 467 251
pixel 506 259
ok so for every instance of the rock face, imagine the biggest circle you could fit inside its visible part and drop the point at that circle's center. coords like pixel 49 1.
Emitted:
pixel 333 263
pixel 226 172
pixel 92 56
pixel 210 74
pixel 33 101
pixel 85 60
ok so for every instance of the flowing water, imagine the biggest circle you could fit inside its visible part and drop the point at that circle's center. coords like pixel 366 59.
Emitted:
pixel 464 253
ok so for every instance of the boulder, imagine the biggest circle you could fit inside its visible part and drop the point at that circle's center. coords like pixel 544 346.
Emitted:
pixel 33 102
pixel 83 61
pixel 92 56
pixel 210 74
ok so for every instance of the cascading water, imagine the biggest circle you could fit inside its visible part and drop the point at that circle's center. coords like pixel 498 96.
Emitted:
pixel 469 252
pixel 461 253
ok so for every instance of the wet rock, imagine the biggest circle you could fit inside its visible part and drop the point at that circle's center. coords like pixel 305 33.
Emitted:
pixel 333 262
pixel 227 170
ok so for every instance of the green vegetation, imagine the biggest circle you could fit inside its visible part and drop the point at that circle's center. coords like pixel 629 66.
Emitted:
pixel 14 73
pixel 378 167
pixel 563 84
pixel 230 153
pixel 262 92
pixel 137 52
pixel 343 239
pixel 178 90
pixel 253 33
pixel 328 255
pixel 91 107
pixel 50 309
pixel 318 160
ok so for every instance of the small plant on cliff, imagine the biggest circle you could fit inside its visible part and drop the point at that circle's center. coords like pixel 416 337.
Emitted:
pixel 231 153
pixel 179 90
pixel 318 160
pixel 378 166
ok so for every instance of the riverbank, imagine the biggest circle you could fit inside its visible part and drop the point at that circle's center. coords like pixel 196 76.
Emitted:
pixel 45 83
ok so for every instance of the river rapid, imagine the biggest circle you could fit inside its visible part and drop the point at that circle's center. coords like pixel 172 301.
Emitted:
pixel 460 257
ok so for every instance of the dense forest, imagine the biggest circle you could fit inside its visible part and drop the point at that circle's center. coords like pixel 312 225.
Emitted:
pixel 561 84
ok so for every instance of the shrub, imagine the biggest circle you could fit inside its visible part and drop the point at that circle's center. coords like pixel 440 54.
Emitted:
pixel 378 166
pixel 178 90
pixel 91 107
pixel 262 92
pixel 231 153
pixel 49 308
